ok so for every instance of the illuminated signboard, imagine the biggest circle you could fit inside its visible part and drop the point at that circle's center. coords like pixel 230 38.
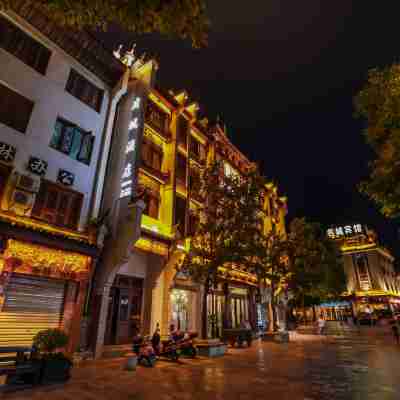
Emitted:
pixel 127 179
pixel 345 231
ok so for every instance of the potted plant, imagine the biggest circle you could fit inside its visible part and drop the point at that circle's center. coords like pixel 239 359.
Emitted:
pixel 56 366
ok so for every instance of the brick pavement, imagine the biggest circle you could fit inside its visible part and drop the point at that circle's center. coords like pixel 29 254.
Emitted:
pixel 348 366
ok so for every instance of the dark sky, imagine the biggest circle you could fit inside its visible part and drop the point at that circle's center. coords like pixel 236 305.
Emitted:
pixel 282 74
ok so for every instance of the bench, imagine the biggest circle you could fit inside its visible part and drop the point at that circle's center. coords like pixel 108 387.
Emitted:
pixel 19 365
pixel 238 336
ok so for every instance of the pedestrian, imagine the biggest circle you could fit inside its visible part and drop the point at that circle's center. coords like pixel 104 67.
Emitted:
pixel 320 325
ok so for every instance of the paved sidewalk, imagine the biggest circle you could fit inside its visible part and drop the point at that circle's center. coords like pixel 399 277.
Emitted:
pixel 354 367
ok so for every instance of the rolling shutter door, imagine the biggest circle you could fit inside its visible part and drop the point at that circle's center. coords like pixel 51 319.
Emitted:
pixel 31 305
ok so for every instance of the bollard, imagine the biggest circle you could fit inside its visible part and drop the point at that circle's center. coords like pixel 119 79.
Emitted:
pixel 131 363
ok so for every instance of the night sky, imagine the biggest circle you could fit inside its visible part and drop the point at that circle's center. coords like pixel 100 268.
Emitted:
pixel 282 75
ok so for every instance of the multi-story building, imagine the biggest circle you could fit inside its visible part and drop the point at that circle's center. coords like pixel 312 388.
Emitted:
pixel 58 89
pixel 372 281
pixel 164 147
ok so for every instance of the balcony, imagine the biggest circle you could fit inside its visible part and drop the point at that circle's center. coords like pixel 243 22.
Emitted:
pixel 160 176
pixel 200 160
pixel 163 134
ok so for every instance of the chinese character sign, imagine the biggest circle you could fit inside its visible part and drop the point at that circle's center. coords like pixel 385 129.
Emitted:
pixel 127 179
pixel 345 231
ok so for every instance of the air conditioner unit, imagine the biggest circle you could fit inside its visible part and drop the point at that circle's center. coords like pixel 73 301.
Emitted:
pixel 28 183
pixel 22 202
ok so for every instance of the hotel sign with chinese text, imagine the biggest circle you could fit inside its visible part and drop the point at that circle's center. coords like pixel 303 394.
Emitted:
pixel 345 231
pixel 135 124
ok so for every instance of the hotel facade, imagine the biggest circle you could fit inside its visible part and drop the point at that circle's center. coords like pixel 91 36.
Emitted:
pixel 373 285
pixel 160 148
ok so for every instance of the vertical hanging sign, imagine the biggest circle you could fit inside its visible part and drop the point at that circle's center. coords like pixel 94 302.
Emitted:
pixel 128 175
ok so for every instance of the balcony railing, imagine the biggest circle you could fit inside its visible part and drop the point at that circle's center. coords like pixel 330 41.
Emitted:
pixel 162 176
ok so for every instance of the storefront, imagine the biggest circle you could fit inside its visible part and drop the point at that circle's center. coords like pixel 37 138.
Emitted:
pixel 125 304
pixel 335 310
pixel 239 309
pixel 40 288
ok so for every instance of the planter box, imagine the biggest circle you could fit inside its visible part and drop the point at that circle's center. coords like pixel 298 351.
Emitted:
pixel 211 348
pixel 55 370
pixel 276 337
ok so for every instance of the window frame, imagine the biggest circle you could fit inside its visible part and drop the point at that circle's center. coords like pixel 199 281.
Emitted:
pixel 65 205
pixel 84 90
pixel 23 46
pixel 85 136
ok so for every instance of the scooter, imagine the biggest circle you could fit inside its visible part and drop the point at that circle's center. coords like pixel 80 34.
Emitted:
pixel 165 348
pixel 144 351
pixel 186 345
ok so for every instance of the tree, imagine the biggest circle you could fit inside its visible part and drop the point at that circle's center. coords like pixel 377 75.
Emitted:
pixel 212 251
pixel 316 265
pixel 379 103
pixel 185 19
pixel 260 251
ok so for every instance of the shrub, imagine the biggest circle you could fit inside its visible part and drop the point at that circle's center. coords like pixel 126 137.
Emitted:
pixel 50 340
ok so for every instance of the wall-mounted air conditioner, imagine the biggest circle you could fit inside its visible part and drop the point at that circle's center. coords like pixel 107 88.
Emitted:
pixel 22 202
pixel 28 183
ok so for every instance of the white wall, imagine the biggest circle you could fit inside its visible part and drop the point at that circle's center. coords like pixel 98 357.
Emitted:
pixel 51 100
pixel 136 266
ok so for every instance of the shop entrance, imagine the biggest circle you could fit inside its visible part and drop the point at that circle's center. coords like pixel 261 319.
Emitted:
pixel 124 310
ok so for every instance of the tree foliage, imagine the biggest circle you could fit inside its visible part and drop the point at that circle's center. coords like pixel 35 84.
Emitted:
pixel 379 103
pixel 212 245
pixel 317 270
pixel 185 19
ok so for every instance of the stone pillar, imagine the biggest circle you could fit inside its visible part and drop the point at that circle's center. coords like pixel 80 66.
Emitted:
pixel 75 325
pixel 102 303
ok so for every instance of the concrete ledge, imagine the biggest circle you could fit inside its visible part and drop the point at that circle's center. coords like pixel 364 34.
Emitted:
pixel 276 337
pixel 211 348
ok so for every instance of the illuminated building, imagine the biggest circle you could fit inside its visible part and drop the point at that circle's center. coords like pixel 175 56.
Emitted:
pixel 56 95
pixel 161 144
pixel 372 283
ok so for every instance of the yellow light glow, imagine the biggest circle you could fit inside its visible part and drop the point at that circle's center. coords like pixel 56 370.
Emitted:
pixel 154 225
pixel 36 256
pixel 152 246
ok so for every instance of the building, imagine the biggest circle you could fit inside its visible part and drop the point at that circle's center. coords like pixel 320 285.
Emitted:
pixel 372 281
pixel 57 92
pixel 160 144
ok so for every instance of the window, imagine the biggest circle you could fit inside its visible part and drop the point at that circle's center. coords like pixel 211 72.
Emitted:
pixel 193 224
pixel 181 169
pixel 5 172
pixel 195 183
pixel 183 126
pixel 180 214
pixel 15 110
pixel 84 90
pixel 155 117
pixel 197 150
pixel 72 140
pixel 58 205
pixel 152 155
pixel 152 200
pixel 23 46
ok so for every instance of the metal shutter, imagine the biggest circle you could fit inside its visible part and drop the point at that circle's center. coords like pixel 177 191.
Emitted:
pixel 31 305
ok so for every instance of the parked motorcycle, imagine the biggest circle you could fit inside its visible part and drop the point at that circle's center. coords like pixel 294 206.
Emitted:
pixel 185 344
pixel 165 348
pixel 144 351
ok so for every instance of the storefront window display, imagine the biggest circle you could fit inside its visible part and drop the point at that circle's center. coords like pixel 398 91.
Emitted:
pixel 180 309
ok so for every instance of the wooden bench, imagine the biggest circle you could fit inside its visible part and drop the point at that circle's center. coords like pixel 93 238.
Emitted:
pixel 238 336
pixel 19 365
